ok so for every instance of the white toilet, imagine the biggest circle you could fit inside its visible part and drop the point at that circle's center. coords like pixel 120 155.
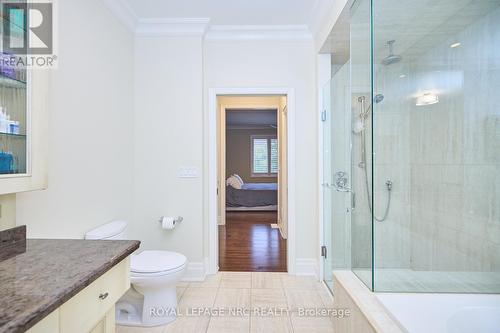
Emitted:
pixel 152 298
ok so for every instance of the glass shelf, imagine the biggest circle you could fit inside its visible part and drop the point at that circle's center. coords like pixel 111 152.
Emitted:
pixel 12 135
pixel 10 82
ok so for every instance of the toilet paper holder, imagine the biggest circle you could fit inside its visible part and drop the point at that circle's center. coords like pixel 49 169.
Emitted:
pixel 178 219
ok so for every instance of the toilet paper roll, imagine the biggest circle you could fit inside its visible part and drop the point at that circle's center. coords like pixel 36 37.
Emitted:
pixel 168 222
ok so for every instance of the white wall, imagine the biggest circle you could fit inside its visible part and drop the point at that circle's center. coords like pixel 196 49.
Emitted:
pixel 91 133
pixel 168 135
pixel 284 64
pixel 128 112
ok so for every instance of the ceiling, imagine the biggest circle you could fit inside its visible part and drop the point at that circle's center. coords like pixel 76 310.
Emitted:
pixel 251 118
pixel 229 12
pixel 416 26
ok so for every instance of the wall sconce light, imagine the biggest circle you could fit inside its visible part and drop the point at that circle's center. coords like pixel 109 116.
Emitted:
pixel 427 99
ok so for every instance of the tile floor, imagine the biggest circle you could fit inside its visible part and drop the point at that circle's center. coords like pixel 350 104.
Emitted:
pixel 231 290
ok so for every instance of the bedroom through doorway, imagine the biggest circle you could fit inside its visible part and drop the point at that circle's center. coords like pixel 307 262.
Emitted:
pixel 252 178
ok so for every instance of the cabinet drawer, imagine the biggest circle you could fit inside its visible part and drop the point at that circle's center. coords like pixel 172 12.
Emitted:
pixel 82 312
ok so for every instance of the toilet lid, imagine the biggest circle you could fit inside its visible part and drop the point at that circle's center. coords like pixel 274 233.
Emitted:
pixel 156 261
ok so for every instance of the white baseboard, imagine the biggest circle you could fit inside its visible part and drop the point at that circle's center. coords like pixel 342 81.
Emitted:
pixel 195 271
pixel 306 266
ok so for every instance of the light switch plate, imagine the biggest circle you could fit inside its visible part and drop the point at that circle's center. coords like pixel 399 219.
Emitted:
pixel 187 172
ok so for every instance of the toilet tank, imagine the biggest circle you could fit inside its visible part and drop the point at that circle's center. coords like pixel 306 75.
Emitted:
pixel 111 230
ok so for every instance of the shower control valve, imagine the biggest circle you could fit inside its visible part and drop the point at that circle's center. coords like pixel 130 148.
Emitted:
pixel 341 181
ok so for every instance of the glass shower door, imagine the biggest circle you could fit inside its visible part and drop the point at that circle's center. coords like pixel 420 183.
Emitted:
pixel 327 248
pixel 336 174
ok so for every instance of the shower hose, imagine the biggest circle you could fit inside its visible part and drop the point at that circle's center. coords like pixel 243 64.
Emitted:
pixel 388 183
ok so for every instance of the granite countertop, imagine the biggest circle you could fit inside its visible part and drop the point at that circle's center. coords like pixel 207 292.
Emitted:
pixel 50 272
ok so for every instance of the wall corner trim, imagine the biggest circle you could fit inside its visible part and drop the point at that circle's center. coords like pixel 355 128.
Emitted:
pixel 123 12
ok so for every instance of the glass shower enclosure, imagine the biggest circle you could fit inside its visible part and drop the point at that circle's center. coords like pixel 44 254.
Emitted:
pixel 411 146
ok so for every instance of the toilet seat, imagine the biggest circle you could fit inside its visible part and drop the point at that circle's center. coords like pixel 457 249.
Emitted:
pixel 154 263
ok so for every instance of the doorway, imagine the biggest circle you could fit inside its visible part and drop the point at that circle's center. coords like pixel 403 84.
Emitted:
pixel 252 210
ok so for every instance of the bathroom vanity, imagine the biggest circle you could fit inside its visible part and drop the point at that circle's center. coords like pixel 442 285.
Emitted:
pixel 63 285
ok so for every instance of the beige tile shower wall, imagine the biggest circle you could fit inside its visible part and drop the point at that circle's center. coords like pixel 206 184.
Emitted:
pixel 455 153
pixel 391 148
pixel 391 160
pixel 238 154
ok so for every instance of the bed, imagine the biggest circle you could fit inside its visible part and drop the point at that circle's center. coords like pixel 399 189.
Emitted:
pixel 252 196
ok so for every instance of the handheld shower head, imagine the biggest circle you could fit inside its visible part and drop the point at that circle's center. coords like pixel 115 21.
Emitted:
pixel 377 99
pixel 359 124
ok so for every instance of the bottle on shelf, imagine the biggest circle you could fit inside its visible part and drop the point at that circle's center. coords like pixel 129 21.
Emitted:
pixel 6 124
pixel 3 120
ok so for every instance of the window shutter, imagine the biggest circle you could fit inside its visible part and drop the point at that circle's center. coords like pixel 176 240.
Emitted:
pixel 274 156
pixel 260 158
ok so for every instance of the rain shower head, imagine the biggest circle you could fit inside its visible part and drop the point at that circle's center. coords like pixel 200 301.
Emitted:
pixel 391 58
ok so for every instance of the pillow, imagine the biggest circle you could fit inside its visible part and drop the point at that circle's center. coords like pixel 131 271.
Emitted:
pixel 239 179
pixel 233 182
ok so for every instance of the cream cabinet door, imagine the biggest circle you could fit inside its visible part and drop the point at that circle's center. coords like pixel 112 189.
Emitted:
pixel 107 325
pixel 92 310
pixel 83 312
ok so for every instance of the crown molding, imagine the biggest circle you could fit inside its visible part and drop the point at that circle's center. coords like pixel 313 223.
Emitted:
pixel 244 32
pixel 156 26
pixel 122 12
pixel 172 27
pixel 200 26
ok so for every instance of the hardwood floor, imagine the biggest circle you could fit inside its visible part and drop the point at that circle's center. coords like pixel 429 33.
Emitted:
pixel 248 243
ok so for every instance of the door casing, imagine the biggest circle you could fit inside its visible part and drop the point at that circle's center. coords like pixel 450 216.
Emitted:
pixel 211 161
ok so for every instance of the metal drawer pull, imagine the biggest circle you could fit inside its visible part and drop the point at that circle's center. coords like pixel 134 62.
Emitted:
pixel 103 296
